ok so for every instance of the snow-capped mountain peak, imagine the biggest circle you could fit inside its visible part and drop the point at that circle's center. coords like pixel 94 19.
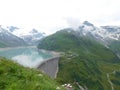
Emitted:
pixel 8 39
pixel 102 33
pixel 12 28
pixel 30 36
pixel 86 27
pixel 87 23
pixel 33 31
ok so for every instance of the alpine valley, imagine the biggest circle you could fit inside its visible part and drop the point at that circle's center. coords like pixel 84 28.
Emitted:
pixel 89 58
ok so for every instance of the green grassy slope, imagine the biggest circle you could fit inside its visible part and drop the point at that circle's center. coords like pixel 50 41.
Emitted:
pixel 114 80
pixel 16 77
pixel 83 60
pixel 115 47
pixel 86 48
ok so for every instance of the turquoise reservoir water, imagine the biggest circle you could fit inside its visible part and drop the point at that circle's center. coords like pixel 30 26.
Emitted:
pixel 26 56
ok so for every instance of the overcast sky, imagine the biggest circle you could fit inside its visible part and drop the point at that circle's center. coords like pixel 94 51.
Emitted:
pixel 51 15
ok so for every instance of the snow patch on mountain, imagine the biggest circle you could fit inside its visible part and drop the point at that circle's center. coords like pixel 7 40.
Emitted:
pixel 102 33
pixel 30 36
pixel 9 39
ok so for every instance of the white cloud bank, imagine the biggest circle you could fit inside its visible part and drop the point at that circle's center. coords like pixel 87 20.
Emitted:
pixel 52 15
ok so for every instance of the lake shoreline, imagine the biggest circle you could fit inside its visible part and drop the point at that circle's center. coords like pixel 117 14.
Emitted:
pixel 49 66
pixel 8 48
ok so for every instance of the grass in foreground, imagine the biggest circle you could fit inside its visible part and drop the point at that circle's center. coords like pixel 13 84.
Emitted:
pixel 16 77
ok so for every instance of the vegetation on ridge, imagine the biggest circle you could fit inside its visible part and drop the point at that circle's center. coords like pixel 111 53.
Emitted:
pixel 83 60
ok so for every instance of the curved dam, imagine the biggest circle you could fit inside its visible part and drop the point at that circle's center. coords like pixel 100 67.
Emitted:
pixel 49 67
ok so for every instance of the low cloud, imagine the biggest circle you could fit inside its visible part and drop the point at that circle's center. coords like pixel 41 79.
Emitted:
pixel 72 22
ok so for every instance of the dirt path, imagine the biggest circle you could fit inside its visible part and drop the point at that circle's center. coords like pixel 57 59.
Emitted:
pixel 81 87
pixel 108 77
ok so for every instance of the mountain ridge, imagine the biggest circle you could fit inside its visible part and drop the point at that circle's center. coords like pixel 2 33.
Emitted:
pixel 83 59
pixel 31 37
pixel 8 39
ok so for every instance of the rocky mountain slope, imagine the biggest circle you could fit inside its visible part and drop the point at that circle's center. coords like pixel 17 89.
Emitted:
pixel 107 35
pixel 31 37
pixel 8 39
pixel 103 33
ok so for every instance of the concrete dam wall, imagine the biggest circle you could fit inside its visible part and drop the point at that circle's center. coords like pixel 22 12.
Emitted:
pixel 50 67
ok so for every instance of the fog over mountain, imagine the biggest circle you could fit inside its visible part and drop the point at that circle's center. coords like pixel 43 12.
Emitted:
pixel 49 16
